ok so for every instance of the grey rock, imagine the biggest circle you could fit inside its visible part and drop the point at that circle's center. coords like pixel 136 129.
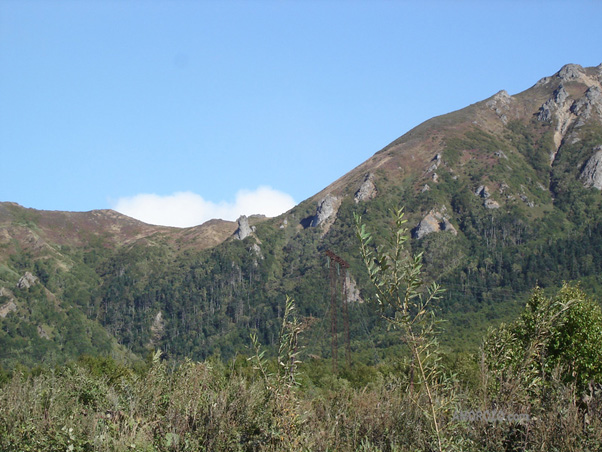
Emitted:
pixel 255 248
pixel 367 190
pixel 570 72
pixel 434 221
pixel 500 154
pixel 589 104
pixel 591 176
pixel 546 111
pixel 435 162
pixel 7 308
pixel 244 230
pixel 353 293
pixel 500 104
pixel 491 204
pixel 326 209
pixel 560 95
pixel 425 188
pixel 26 281
pixel 483 192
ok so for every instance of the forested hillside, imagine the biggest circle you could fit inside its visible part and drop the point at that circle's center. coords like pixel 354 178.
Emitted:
pixel 501 196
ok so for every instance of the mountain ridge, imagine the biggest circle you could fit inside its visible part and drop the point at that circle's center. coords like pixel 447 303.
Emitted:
pixel 505 190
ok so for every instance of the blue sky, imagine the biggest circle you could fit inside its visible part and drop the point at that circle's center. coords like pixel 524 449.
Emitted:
pixel 178 111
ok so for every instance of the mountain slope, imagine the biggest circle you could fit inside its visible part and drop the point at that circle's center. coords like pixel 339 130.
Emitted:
pixel 500 196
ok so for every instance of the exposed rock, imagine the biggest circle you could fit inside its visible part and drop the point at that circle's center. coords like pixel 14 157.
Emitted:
pixel 483 192
pixel 500 104
pixel 591 175
pixel 503 187
pixel 284 224
pixel 552 104
pixel 367 190
pixel 570 72
pixel 26 281
pixel 558 108
pixel 491 204
pixel 588 104
pixel 7 308
pixel 425 188
pixel 560 95
pixel 257 250
pixel 435 162
pixel 326 208
pixel 353 293
pixel 435 177
pixel 500 154
pixel 434 221
pixel 244 230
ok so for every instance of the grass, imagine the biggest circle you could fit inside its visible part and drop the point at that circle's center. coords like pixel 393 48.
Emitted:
pixel 216 407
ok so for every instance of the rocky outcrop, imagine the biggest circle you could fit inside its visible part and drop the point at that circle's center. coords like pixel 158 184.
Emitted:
pixel 434 221
pixel 256 249
pixel 353 293
pixel 566 112
pixel 435 163
pixel 9 306
pixel 491 204
pixel 367 190
pixel 558 108
pixel 570 72
pixel 552 104
pixel 591 175
pixel 588 105
pixel 327 209
pixel 500 104
pixel 483 192
pixel 244 230
pixel 26 281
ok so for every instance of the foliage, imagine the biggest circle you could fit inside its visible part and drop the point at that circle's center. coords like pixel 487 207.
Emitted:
pixel 397 277
pixel 561 333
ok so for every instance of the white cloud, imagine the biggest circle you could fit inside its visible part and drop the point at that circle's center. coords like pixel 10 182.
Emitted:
pixel 184 209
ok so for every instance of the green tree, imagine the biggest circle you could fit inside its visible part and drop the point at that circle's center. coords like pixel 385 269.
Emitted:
pixel 559 334
pixel 405 302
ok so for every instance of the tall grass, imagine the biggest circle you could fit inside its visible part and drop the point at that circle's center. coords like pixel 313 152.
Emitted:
pixel 214 407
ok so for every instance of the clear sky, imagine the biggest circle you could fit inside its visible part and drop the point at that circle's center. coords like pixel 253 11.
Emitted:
pixel 178 111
